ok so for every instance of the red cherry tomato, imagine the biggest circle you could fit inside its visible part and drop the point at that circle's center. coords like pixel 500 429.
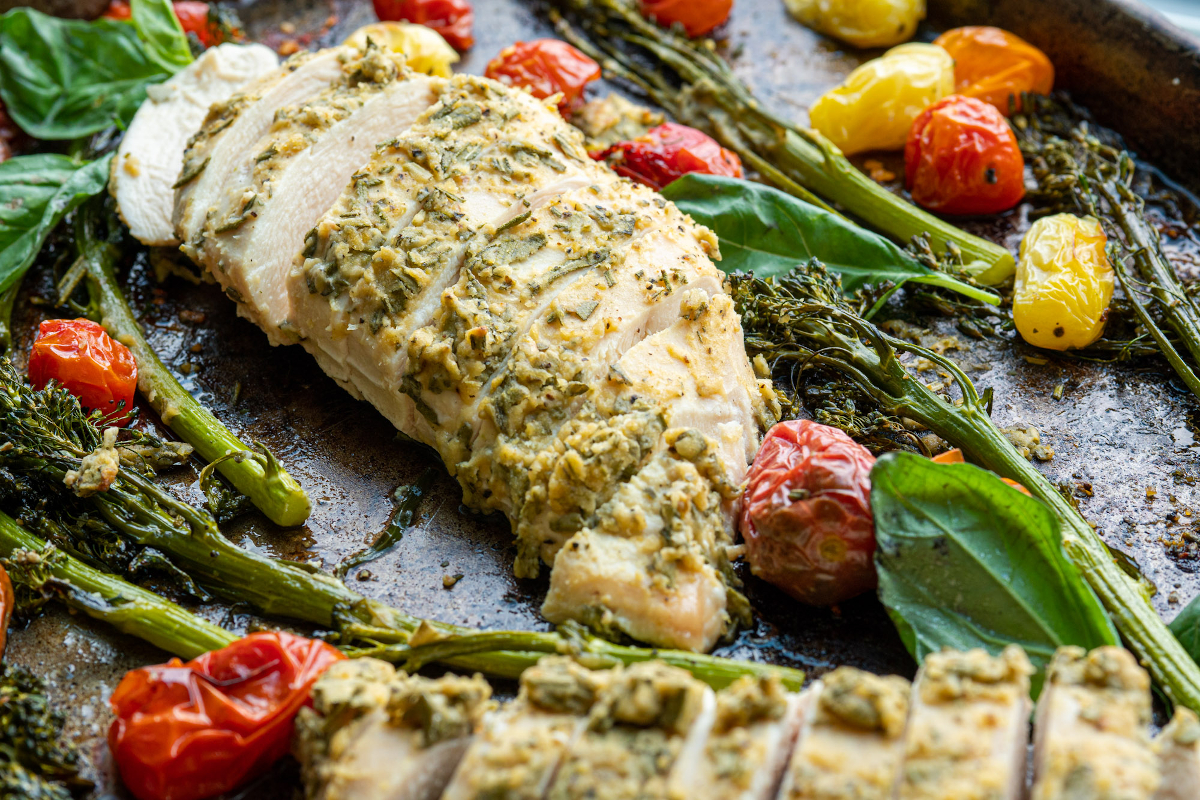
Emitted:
pixel 806 513
pixel 192 16
pixel 668 152
pixel 697 17
pixel 962 158
pixel 195 730
pixel 7 601
pixel 451 18
pixel 545 67
pixel 88 363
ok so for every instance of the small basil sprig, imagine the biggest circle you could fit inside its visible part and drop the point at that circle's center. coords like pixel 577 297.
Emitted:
pixel 965 561
pixel 1186 627
pixel 767 232
pixel 160 31
pixel 36 192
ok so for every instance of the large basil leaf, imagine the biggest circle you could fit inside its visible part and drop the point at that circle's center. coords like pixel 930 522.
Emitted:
pixel 63 79
pixel 1186 627
pixel 767 232
pixel 36 192
pixel 159 28
pixel 966 561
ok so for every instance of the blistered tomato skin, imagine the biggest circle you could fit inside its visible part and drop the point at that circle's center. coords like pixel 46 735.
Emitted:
pixel 806 514
pixel 80 356
pixel 698 17
pixel 670 151
pixel 1064 283
pixel 962 158
pixel 453 19
pixel 545 67
pixel 874 108
pixel 995 66
pixel 861 23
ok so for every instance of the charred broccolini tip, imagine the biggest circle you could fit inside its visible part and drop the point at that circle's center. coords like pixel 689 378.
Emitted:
pixel 1086 171
pixel 802 321
pixel 46 435
pixel 696 86
pixel 36 761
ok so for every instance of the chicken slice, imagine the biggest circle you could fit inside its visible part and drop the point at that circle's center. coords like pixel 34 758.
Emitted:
pixel 1178 751
pixel 852 742
pixel 649 717
pixel 291 176
pixel 377 734
pixel 517 753
pixel 969 727
pixel 150 156
pixel 374 269
pixel 748 747
pixel 1092 737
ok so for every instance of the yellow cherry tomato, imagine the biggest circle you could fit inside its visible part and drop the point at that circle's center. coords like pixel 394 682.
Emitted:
pixel 861 23
pixel 1064 283
pixel 424 48
pixel 875 106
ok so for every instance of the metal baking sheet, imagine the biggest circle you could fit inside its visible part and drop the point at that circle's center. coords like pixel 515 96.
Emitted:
pixel 1118 430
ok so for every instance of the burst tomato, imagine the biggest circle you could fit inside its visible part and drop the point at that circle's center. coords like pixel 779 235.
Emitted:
pixel 668 152
pixel 962 158
pixel 87 362
pixel 453 19
pixel 996 66
pixel 806 514
pixel 545 67
pixel 192 16
pixel 697 17
pixel 195 730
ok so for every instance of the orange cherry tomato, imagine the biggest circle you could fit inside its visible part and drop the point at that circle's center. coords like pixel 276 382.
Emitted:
pixel 996 66
pixel 81 357
pixel 962 158
pixel 192 16
pixel 697 17
pixel 806 513
pixel 545 67
pixel 453 19
pixel 668 152
pixel 955 456
pixel 8 601
pixel 195 730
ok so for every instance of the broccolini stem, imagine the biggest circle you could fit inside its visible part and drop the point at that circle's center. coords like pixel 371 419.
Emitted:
pixel 255 472
pixel 710 97
pixel 128 608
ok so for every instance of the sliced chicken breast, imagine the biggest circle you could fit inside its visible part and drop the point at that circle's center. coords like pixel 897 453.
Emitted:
pixel 150 156
pixel 852 741
pixel 969 727
pixel 1178 751
pixel 517 753
pixel 1092 737
pixel 748 747
pixel 648 718
pixel 375 734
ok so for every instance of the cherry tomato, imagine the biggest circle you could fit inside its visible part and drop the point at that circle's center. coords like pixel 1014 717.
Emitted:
pixel 545 67
pixel 192 15
pixel 668 152
pixel 195 730
pixel 697 17
pixel 962 158
pixel 451 18
pixel 955 456
pixel 7 601
pixel 88 363
pixel 996 66
pixel 806 513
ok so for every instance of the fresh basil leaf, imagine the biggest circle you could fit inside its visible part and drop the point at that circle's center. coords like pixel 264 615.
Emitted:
pixel 767 232
pixel 64 79
pixel 36 192
pixel 1186 627
pixel 965 560
pixel 161 32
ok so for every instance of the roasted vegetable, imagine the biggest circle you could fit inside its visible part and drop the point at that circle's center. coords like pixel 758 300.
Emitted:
pixel 874 107
pixel 36 762
pixel 192 731
pixel 961 158
pixel 1064 283
pixel 862 23
pixel 668 152
pixel 996 66
pixel 453 19
pixel 545 67
pixel 79 356
pixel 806 513
pixel 696 17
pixel 424 49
